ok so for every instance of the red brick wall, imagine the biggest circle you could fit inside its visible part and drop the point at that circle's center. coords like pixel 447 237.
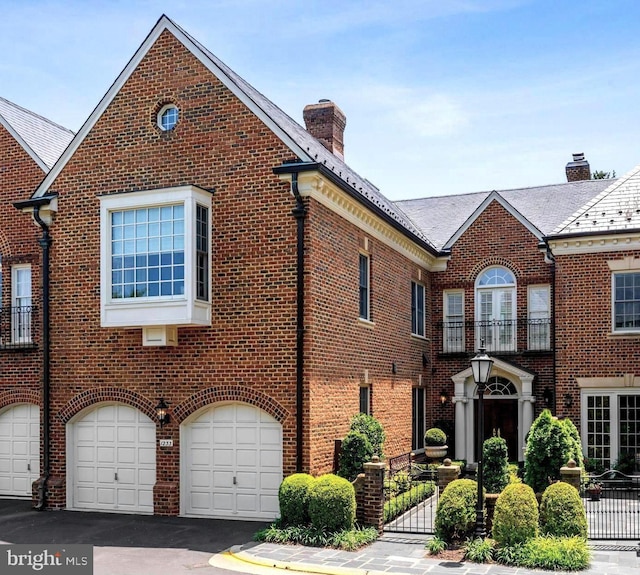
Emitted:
pixel 19 174
pixel 584 316
pixel 341 347
pixel 495 238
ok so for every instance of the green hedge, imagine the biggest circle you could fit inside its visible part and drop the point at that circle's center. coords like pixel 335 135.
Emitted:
pixel 552 553
pixel 456 512
pixel 293 496
pixel 332 503
pixel 515 519
pixel 398 505
pixel 562 512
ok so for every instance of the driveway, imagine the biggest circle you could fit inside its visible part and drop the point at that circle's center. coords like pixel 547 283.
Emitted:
pixel 122 542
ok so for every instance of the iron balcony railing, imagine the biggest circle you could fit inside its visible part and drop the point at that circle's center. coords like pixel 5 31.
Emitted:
pixel 498 335
pixel 16 327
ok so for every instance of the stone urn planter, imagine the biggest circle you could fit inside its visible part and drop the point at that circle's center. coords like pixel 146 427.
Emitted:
pixel 594 490
pixel 435 443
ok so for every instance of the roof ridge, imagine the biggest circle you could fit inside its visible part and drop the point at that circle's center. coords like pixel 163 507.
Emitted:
pixel 35 115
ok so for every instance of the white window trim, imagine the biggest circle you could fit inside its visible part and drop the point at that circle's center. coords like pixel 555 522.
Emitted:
pixel 620 331
pixel 161 113
pixel 180 310
pixel 445 315
pixel 16 333
pixel 477 307
pixel 529 290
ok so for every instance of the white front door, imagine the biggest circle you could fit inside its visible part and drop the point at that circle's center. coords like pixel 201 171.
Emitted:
pixel 232 463
pixel 19 449
pixel 113 460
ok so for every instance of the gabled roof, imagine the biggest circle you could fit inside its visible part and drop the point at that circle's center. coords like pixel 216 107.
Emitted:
pixel 540 208
pixel 42 139
pixel 614 209
pixel 302 144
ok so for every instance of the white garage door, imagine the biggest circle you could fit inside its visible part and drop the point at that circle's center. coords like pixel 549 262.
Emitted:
pixel 232 463
pixel 19 449
pixel 113 460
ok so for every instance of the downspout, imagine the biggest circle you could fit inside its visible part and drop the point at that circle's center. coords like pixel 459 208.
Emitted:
pixel 45 243
pixel 552 261
pixel 299 212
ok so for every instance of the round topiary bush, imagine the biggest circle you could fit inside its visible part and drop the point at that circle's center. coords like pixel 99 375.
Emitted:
pixel 435 436
pixel 515 519
pixel 332 503
pixel 356 451
pixel 293 497
pixel 456 511
pixel 495 461
pixel 562 512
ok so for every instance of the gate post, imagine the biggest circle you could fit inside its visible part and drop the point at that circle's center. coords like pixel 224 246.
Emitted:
pixel 446 474
pixel 374 493
pixel 571 474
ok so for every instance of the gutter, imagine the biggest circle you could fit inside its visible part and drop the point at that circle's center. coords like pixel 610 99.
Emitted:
pixel 45 243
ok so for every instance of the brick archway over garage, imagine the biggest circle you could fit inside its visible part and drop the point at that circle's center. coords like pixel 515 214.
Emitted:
pixel 103 395
pixel 230 393
pixel 19 396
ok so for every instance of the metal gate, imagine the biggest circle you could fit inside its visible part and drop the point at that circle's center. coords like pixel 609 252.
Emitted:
pixel 612 504
pixel 411 497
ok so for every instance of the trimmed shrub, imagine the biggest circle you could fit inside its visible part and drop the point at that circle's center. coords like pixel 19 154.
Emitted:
pixel 551 553
pixel 551 444
pixel 515 519
pixel 332 503
pixel 435 437
pixel 561 512
pixel 456 512
pixel 372 429
pixel 293 497
pixel 356 451
pixel 495 462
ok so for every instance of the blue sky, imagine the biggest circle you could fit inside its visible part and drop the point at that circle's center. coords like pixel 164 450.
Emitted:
pixel 441 97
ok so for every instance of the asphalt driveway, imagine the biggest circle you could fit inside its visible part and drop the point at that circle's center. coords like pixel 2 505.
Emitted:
pixel 19 523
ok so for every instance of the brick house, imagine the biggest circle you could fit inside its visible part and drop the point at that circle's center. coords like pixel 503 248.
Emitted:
pixel 29 146
pixel 213 261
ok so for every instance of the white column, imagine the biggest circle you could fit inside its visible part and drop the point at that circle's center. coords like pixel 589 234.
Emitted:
pixel 460 426
pixel 527 419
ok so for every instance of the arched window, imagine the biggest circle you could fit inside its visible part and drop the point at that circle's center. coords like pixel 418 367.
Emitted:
pixel 496 309
pixel 498 387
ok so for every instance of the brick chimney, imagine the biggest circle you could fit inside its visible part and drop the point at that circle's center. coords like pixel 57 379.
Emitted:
pixel 326 122
pixel 579 169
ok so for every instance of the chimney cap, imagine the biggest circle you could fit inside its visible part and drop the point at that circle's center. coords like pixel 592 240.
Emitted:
pixel 578 157
pixel 324 101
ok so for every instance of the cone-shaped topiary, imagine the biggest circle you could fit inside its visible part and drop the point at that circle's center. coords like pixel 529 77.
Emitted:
pixel 562 512
pixel 515 519
pixel 293 497
pixel 495 461
pixel 332 503
pixel 456 512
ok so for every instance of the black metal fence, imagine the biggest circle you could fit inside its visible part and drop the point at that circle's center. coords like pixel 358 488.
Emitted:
pixel 16 327
pixel 612 504
pixel 411 497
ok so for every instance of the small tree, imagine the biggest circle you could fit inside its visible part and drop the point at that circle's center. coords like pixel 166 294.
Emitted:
pixel 372 429
pixel 550 445
pixel 495 462
pixel 356 451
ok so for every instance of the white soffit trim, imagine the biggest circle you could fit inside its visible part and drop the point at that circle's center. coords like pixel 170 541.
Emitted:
pixel 594 244
pixel 163 24
pixel 474 216
pixel 24 144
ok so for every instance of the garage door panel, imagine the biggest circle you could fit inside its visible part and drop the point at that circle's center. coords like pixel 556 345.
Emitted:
pixel 233 436
pixel 113 460
pixel 19 449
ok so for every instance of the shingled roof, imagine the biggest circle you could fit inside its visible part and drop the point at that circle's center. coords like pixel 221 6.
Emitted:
pixel 41 138
pixel 545 207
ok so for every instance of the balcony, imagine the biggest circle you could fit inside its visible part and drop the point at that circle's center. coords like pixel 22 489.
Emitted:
pixel 499 336
pixel 17 326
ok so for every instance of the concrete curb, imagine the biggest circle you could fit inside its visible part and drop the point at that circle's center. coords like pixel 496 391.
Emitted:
pixel 314 568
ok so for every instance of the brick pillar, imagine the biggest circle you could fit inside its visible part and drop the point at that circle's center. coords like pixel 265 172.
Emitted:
pixel 374 493
pixel 166 498
pixel 447 473
pixel 571 474
pixel 358 486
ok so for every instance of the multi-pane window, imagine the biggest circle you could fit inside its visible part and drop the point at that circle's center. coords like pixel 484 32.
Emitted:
pixel 629 418
pixel 626 301
pixel 417 418
pixel 147 252
pixel 364 287
pixel 453 337
pixel 202 253
pixel 21 303
pixel 417 309
pixel 495 310
pixel 539 318
pixel 365 399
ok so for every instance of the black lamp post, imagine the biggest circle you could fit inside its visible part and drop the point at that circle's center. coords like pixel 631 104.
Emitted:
pixel 481 366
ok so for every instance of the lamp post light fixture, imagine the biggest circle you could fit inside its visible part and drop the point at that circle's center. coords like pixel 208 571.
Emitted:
pixel 481 366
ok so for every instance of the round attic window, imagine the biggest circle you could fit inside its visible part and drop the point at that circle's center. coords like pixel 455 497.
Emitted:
pixel 168 117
